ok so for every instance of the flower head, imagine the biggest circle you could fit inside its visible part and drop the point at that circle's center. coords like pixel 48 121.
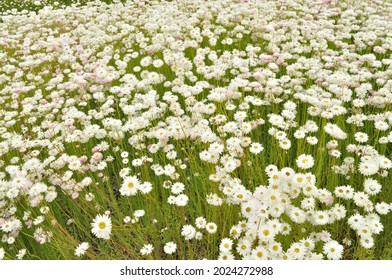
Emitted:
pixel 102 226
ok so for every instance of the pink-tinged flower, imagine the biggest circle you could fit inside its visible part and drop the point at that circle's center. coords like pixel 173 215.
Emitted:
pixel 56 181
pixel 267 59
pixel 83 159
pixel 54 105
pixel 318 81
pixel 96 149
pixel 329 200
pixel 81 81
pixel 51 125
pixel 39 239
pixel 75 195
pixel 97 157
pixel 29 223
pixel 16 90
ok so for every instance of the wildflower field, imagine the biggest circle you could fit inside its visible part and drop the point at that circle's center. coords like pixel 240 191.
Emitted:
pixel 196 129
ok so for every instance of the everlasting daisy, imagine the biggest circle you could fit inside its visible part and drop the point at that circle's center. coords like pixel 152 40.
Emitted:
pixel 244 246
pixel 361 199
pixel 296 251
pixel 226 256
pixel 367 242
pixel 211 227
pixel 177 188
pixel 297 215
pixel 188 232
pixel 368 168
pixel 384 162
pixel 145 187
pixel 146 250
pixel 130 186
pixel 312 140
pixel 333 250
pixel 170 248
pixel 372 187
pixel 305 161
pixel 200 222
pixel 225 245
pixel 356 221
pixel 376 226
pixel 20 255
pixel 345 192
pixel 102 226
pixel 361 137
pixel 81 249
pixel 308 243
pixel 74 165
pixel 285 144
pixel 256 148
pixel 383 208
pixel 320 218
pixel 235 232
pixel 260 253
pixel 299 134
pixel 181 200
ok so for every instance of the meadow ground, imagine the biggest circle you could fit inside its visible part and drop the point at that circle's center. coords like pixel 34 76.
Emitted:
pixel 195 129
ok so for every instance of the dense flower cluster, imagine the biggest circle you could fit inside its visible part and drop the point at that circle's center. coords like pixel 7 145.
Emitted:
pixel 252 129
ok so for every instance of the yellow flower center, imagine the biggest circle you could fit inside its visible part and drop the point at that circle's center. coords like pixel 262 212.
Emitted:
pixel 102 225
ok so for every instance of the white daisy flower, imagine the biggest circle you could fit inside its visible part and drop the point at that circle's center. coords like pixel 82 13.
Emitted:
pixel 102 226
